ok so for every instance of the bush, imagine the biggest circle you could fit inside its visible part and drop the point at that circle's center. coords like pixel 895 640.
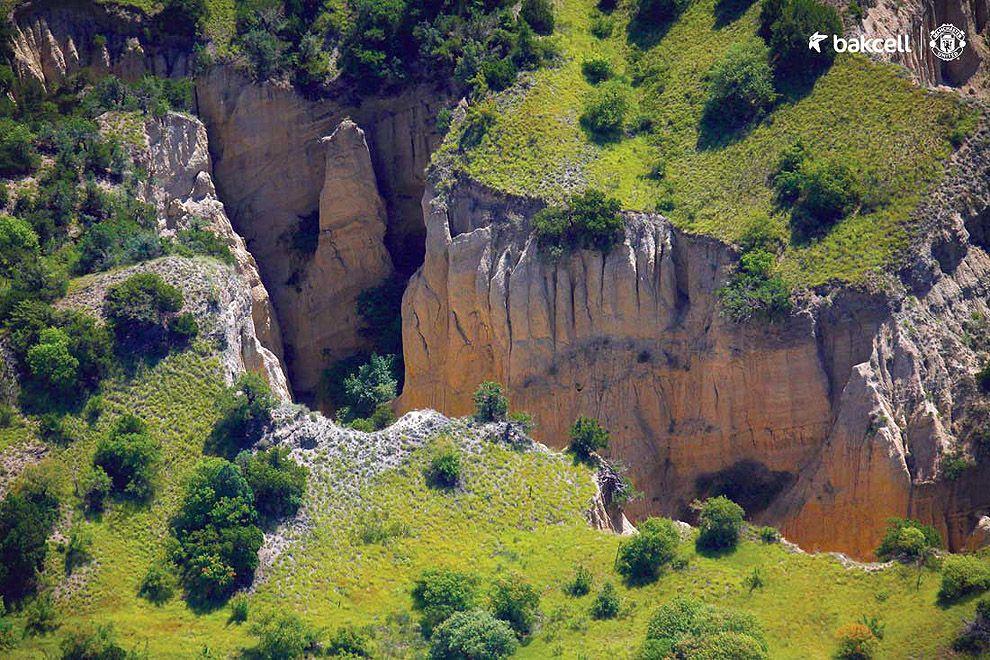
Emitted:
pixel 907 539
pixel 856 642
pixel 264 51
pixel 587 437
pixel 472 635
pixel 641 557
pixel 216 532
pixel 157 586
pixel 580 585
pixel 769 535
pixel 539 15
pixel 499 74
pixel 516 602
pixel 350 643
pixel 282 636
pixel 139 308
pixel 654 11
pixel 183 328
pixel 788 24
pixel 740 88
pixel 687 628
pixel 238 609
pixel 820 191
pixel 444 470
pixel 383 417
pixel 439 593
pixel 18 155
pixel 26 517
pixel 197 240
pixel 597 70
pixel 490 403
pixel 278 482
pixel 245 413
pixel 91 642
pixel 373 384
pixel 605 110
pixel 40 615
pixel 590 221
pixel 606 604
pixel 51 366
pixel 128 457
pixel 18 243
pixel 602 26
pixel 8 636
pixel 720 523
pixel 963 574
pixel 77 547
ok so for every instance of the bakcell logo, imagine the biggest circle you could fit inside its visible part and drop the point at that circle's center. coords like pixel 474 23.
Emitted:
pixel 862 44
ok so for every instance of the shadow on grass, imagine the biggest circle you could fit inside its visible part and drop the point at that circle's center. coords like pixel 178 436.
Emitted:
pixel 644 32
pixel 713 553
pixel 728 11
pixel 714 132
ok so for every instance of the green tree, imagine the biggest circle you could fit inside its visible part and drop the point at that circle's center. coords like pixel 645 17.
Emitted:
pixel 907 539
pixel 138 310
pixel 282 635
pixel 659 11
pixel 590 221
pixel 440 592
pixel 129 458
pixel 963 574
pixel 740 87
pixel 490 403
pixel 18 243
pixel 605 109
pixel 641 557
pixel 795 20
pixel 27 515
pixel 93 642
pixel 245 414
pixel 51 365
pixel 606 604
pixel 18 155
pixel 539 15
pixel 516 602
pixel 472 635
pixel 587 437
pixel 720 523
pixel 688 628
pixel 373 384
pixel 277 481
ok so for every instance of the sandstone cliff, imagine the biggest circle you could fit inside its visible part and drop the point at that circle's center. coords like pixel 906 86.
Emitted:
pixel 827 423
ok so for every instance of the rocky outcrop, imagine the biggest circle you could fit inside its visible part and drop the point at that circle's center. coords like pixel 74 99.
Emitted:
pixel 276 178
pixel 55 39
pixel 917 18
pixel 173 150
pixel 846 411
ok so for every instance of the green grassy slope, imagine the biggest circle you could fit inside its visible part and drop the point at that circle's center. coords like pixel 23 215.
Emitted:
pixel 519 512
pixel 859 112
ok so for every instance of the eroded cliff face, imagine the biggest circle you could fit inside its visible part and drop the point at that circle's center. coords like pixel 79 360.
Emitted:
pixel 827 423
pixel 279 171
pixel 917 18
pixel 173 150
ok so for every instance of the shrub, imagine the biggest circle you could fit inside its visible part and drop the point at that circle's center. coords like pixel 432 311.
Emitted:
pixel 472 635
pixel 26 518
pixel 820 191
pixel 216 532
pixel 490 403
pixel 238 609
pixel 138 310
pixel 652 11
pixel 18 243
pixel 278 482
pixel 477 122
pixel 18 155
pixel 539 15
pixel 156 585
pixel 91 642
pixel 687 628
pixel 580 584
pixel 40 615
pixel 245 413
pixel 590 221
pixel 597 69
pixel 77 547
pixel 963 574
pixel 856 642
pixel 605 109
pixel 907 539
pixel 444 470
pixel 128 458
pixel 264 51
pixel 983 379
pixel 373 384
pixel 282 636
pixel 516 602
pixel 740 87
pixel 602 26
pixel 52 367
pixel 383 417
pixel 499 74
pixel 720 523
pixel 641 557
pixel 606 604
pixel 183 328
pixel 769 535
pixel 439 593
pixel 788 24
pixel 587 437
pixel 199 240
pixel 8 636
pixel 350 643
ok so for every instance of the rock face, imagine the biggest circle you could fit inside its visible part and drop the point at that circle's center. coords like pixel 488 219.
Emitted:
pixel 276 176
pixel 846 411
pixel 173 150
pixel 917 18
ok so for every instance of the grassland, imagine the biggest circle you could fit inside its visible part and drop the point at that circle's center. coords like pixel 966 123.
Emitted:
pixel 865 114
pixel 518 513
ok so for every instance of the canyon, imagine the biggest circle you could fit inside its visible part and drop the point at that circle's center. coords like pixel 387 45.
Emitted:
pixel 848 410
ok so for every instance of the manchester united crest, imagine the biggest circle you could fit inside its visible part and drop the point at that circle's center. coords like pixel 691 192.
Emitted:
pixel 947 42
